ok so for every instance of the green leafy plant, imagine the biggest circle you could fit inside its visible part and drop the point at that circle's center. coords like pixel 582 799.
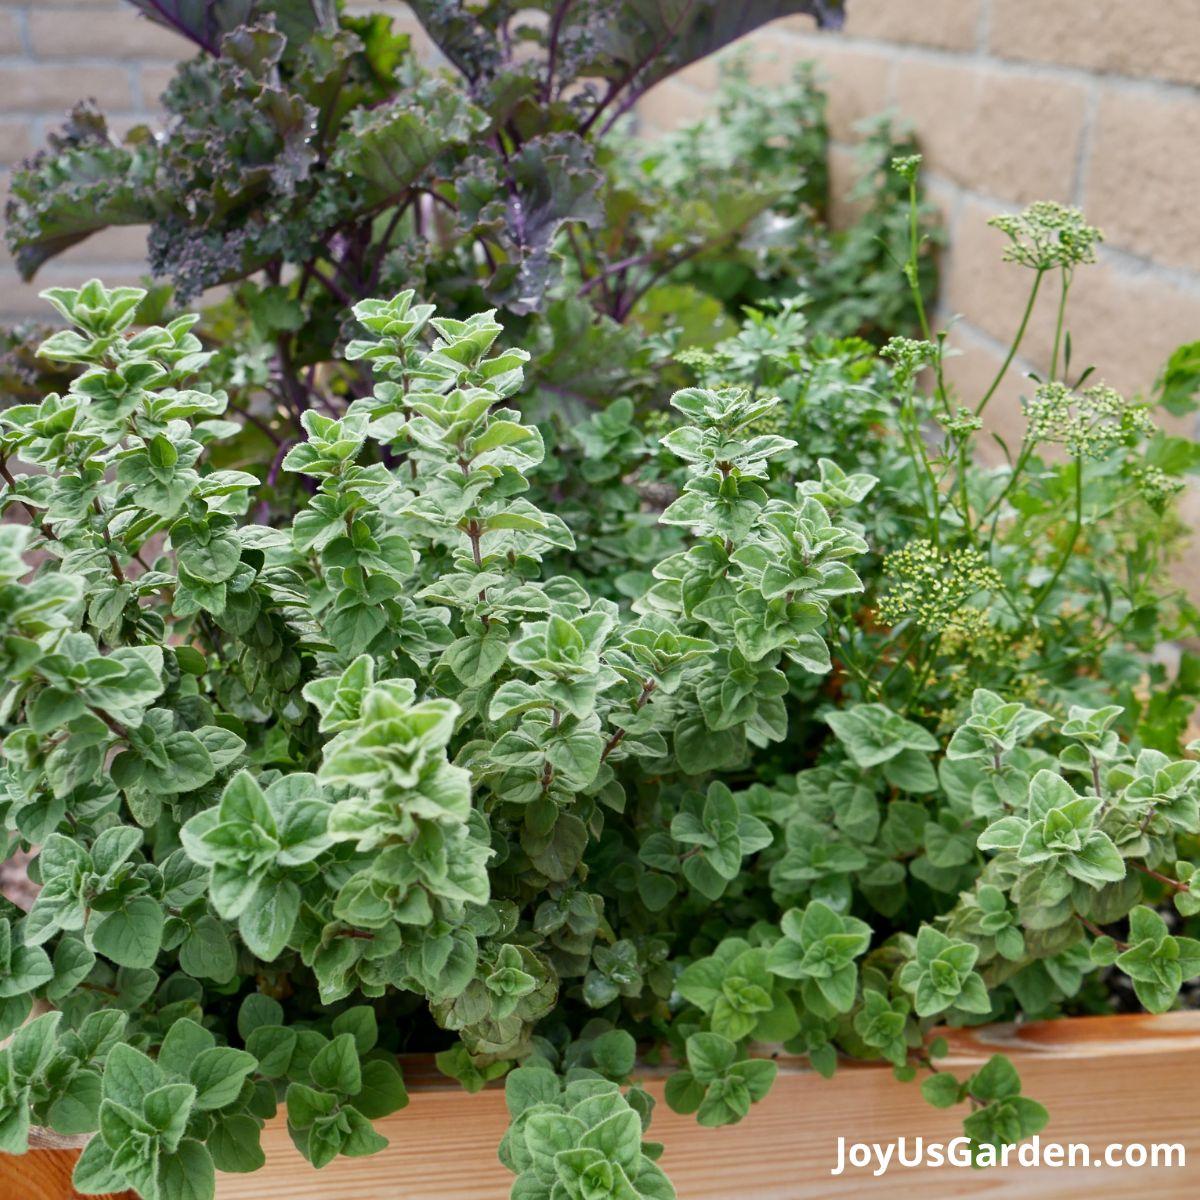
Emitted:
pixel 268 775
pixel 445 756
pixel 579 1138
pixel 737 205
pixel 312 158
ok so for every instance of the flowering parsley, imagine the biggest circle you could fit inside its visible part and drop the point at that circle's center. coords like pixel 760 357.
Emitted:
pixel 908 356
pixel 962 424
pixel 1154 485
pixel 1091 423
pixel 933 587
pixel 1048 235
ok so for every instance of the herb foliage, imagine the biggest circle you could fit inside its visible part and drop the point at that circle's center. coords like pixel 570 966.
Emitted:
pixel 310 158
pixel 779 720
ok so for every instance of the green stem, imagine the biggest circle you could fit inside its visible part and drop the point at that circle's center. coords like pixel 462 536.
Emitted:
pixel 911 269
pixel 921 672
pixel 852 665
pixel 900 662
pixel 910 430
pixel 1058 324
pixel 1015 346
pixel 891 639
pixel 912 274
pixel 1018 467
pixel 1082 653
pixel 1068 552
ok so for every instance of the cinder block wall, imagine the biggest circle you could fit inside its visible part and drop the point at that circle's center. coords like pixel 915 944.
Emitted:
pixel 1088 102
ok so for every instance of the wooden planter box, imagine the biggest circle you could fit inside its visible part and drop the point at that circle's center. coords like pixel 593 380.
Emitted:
pixel 1105 1080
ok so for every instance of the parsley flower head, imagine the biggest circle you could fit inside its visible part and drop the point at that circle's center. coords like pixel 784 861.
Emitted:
pixel 1090 423
pixel 1048 235
pixel 933 587
pixel 908 356
pixel 1154 485
pixel 962 424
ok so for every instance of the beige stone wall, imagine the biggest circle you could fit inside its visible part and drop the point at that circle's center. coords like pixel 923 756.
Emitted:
pixel 1089 102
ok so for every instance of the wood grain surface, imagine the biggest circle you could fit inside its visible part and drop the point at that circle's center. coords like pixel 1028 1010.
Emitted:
pixel 1105 1080
pixel 43 1175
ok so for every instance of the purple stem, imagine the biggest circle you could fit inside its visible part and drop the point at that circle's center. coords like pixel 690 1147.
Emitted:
pixel 264 509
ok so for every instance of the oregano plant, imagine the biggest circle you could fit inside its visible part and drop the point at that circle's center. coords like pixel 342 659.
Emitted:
pixel 693 735
pixel 360 756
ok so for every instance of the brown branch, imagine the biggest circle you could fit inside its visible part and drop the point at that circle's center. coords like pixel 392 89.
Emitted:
pixel 1096 931
pixel 118 574
pixel 115 726
pixel 618 735
pixel 1166 879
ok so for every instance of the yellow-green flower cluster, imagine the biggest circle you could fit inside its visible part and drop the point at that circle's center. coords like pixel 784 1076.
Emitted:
pixel 908 356
pixel 934 588
pixel 1048 235
pixel 1154 485
pixel 657 422
pixel 988 643
pixel 958 676
pixel 1090 423
pixel 700 360
pixel 962 424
